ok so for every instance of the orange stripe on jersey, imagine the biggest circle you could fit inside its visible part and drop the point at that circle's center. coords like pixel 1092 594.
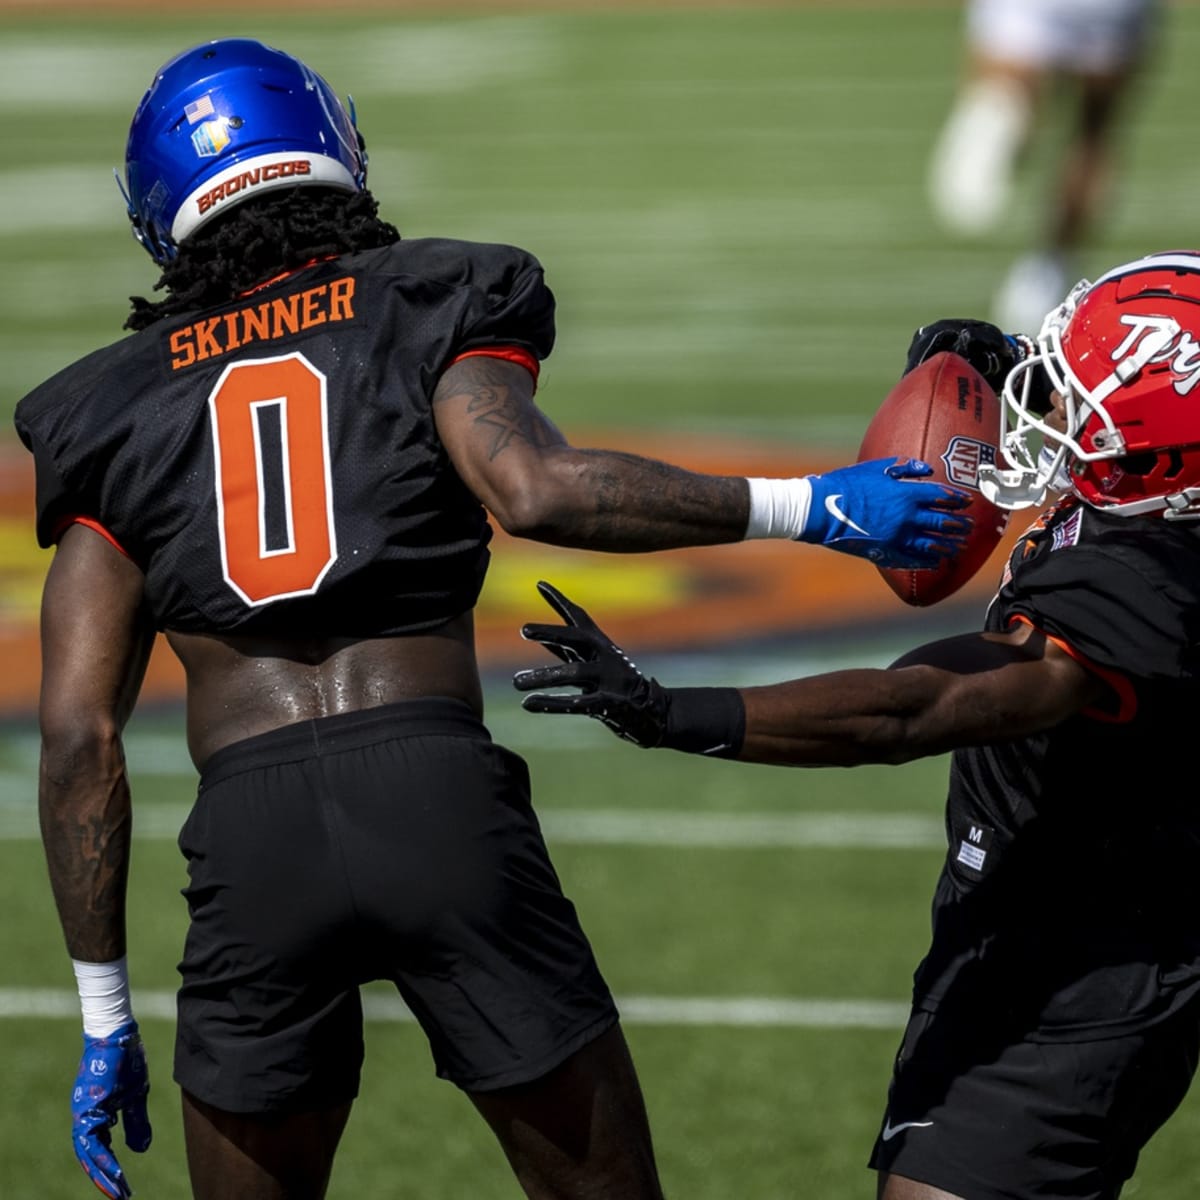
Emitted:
pixel 1126 699
pixel 266 283
pixel 512 354
pixel 91 524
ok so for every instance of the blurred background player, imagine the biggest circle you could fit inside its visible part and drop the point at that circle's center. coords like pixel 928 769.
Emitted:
pixel 1023 57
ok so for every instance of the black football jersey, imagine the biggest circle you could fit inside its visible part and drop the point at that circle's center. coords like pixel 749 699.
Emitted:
pixel 273 465
pixel 1070 896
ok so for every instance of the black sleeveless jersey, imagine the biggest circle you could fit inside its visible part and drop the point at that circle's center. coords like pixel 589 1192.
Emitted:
pixel 1070 896
pixel 273 465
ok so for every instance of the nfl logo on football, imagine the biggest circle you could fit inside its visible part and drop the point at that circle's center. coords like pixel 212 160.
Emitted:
pixel 963 458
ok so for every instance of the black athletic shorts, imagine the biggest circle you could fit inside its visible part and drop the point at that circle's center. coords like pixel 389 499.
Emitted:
pixel 984 1117
pixel 394 843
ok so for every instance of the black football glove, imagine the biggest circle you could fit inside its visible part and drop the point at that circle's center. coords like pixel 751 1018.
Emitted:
pixel 612 690
pixel 991 351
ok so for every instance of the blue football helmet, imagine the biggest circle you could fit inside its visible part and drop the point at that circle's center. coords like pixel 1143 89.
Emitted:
pixel 225 121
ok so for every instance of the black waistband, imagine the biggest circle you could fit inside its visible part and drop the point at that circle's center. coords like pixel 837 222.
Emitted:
pixel 343 731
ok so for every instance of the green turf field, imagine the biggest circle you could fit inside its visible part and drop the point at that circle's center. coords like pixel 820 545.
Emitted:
pixel 729 206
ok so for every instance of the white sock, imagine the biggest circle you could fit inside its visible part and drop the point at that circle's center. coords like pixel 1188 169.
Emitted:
pixel 970 175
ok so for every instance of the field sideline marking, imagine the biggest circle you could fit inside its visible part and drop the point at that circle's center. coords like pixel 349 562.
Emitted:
pixel 629 827
pixel 740 1011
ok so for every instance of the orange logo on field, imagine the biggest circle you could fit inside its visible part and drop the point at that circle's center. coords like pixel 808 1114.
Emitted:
pixel 672 601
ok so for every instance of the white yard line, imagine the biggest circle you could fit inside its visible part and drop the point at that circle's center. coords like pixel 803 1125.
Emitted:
pixel 630 827
pixel 736 1011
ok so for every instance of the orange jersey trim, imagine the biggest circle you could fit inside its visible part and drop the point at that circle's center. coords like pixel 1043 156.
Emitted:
pixel 513 354
pixel 91 524
pixel 1126 698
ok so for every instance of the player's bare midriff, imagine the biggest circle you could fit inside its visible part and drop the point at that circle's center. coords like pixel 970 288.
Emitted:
pixel 242 686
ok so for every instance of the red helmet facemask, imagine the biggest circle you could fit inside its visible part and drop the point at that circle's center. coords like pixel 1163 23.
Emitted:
pixel 1124 355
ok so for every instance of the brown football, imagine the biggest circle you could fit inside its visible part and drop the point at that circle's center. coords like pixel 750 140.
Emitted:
pixel 944 413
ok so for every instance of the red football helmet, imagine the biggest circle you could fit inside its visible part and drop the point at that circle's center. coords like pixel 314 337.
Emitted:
pixel 1124 353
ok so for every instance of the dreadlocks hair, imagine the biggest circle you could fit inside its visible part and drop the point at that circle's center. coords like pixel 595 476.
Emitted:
pixel 259 239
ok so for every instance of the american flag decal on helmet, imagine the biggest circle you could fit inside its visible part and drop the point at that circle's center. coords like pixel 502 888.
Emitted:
pixel 198 109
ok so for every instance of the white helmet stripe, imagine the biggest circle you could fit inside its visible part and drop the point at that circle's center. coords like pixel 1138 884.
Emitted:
pixel 1183 261
pixel 247 178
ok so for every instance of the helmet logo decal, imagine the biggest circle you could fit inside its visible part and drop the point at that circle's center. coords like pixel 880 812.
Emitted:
pixel 963 458
pixel 210 138
pixel 1180 348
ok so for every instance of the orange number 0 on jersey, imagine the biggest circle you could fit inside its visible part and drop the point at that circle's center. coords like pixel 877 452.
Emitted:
pixel 296 390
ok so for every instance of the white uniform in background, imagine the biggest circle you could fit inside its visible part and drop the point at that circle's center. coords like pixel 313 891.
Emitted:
pixel 1074 35
pixel 1013 45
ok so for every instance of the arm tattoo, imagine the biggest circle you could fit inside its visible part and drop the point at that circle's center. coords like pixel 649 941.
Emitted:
pixel 598 499
pixel 87 853
pixel 624 482
pixel 502 417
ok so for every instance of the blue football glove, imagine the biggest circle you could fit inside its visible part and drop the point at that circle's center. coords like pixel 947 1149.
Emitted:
pixel 880 510
pixel 112 1082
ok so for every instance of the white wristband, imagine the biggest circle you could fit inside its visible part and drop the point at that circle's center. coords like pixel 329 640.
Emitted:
pixel 103 996
pixel 778 507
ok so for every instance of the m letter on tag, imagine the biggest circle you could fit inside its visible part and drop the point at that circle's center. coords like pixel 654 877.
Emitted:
pixel 973 844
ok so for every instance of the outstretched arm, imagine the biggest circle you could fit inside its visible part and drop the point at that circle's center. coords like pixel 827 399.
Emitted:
pixel 966 690
pixel 512 457
pixel 538 486
pixel 960 691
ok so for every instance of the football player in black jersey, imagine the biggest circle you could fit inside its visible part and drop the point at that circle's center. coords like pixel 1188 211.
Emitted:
pixel 1056 1015
pixel 287 470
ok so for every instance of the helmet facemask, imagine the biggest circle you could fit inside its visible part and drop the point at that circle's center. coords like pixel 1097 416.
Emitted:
pixel 1113 352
